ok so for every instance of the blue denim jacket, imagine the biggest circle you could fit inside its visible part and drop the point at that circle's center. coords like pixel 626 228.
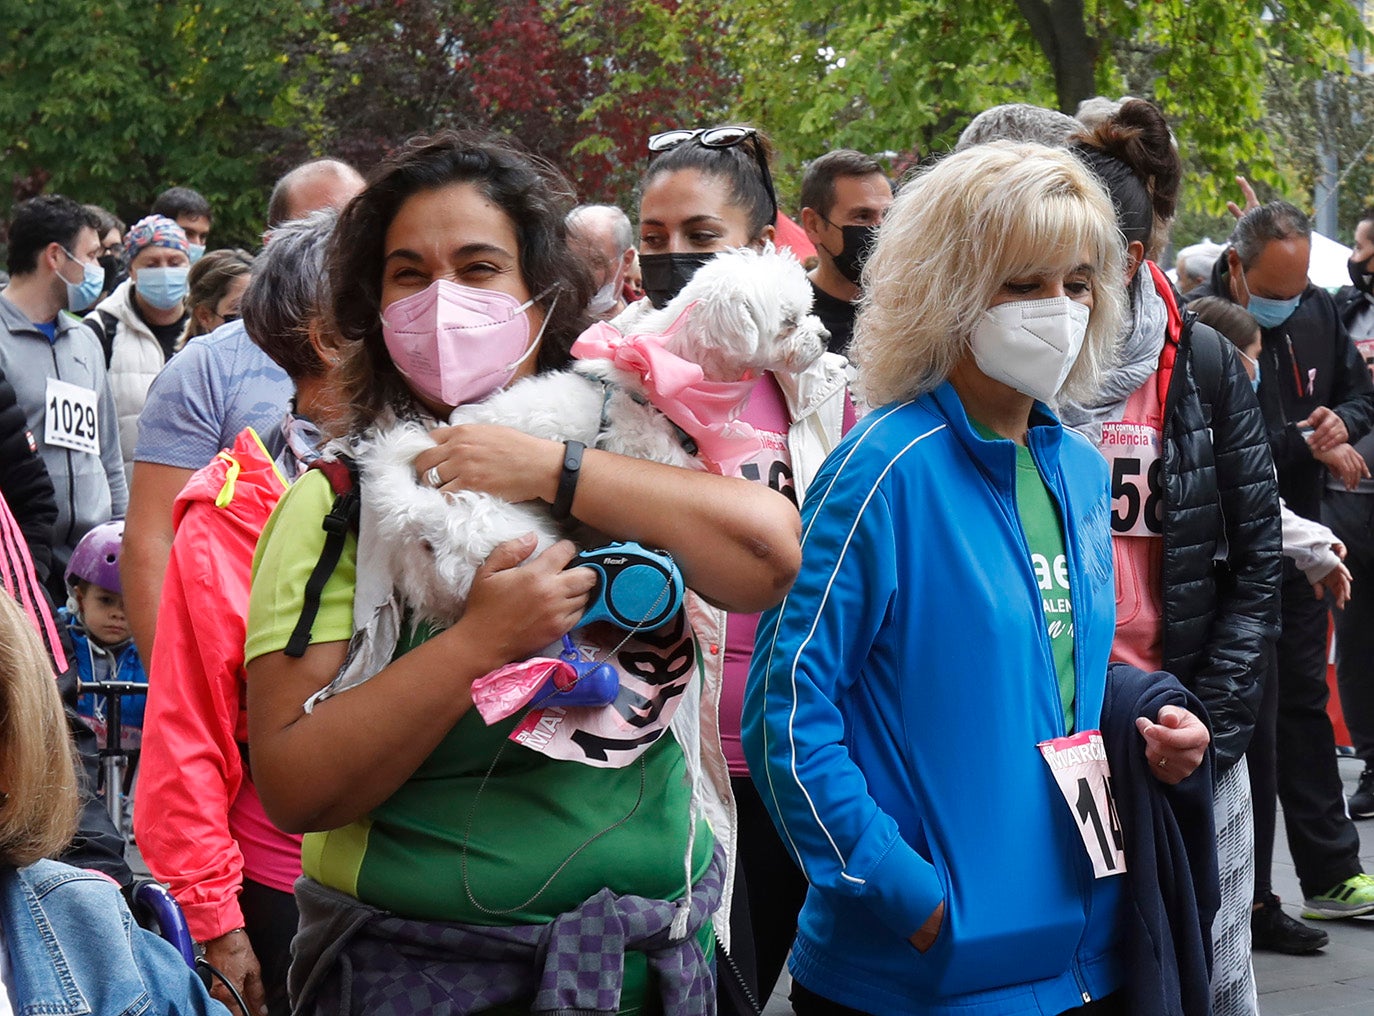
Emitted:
pixel 74 948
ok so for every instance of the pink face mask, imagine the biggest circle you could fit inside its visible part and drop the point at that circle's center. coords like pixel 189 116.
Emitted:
pixel 456 344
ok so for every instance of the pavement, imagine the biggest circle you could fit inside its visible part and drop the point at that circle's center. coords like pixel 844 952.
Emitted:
pixel 1337 980
pixel 1340 978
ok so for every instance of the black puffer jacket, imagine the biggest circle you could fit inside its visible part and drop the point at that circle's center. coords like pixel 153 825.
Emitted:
pixel 1222 537
pixel 1350 302
pixel 24 480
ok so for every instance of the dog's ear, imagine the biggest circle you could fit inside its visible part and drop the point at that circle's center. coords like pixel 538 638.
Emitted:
pixel 722 335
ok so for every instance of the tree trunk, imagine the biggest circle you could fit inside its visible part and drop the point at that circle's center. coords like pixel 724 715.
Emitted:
pixel 1061 29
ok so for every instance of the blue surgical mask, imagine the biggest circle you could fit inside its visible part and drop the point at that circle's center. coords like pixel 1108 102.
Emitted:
pixel 162 288
pixel 195 252
pixel 1271 313
pixel 82 295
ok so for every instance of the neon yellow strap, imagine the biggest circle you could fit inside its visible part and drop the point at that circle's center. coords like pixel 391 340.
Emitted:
pixel 226 492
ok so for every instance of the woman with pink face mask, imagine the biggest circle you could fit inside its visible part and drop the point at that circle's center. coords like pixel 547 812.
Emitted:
pixel 438 855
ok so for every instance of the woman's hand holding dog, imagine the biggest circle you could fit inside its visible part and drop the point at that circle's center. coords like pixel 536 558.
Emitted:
pixel 519 605
pixel 490 459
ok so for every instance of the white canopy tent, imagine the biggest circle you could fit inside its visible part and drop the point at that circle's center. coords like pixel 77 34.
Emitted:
pixel 1326 267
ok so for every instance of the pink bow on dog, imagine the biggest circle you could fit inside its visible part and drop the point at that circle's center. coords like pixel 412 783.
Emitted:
pixel 706 411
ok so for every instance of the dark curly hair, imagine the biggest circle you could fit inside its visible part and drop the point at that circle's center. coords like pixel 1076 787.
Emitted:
pixel 1134 155
pixel 535 197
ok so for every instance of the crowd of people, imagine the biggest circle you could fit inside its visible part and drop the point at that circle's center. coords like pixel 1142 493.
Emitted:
pixel 1005 627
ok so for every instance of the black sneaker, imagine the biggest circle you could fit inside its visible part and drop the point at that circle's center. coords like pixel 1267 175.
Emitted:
pixel 1362 801
pixel 1273 930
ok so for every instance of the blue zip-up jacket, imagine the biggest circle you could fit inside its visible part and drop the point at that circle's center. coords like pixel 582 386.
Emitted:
pixel 893 710
pixel 113 663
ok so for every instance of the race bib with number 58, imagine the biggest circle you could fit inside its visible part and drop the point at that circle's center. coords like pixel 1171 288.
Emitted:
pixel 1133 450
pixel 1079 765
pixel 70 417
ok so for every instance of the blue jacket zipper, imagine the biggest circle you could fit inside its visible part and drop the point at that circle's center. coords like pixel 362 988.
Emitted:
pixel 1075 592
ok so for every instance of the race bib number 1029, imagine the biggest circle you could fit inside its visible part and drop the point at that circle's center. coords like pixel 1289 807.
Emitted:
pixel 71 417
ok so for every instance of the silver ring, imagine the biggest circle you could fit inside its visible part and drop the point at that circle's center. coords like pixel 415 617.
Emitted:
pixel 433 478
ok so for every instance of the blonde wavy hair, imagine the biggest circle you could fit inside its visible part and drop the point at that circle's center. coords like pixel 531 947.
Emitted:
pixel 955 235
pixel 37 763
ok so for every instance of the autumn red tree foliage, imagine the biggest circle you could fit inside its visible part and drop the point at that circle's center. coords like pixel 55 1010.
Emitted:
pixel 581 85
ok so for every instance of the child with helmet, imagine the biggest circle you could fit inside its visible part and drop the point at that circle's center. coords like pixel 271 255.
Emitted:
pixel 100 631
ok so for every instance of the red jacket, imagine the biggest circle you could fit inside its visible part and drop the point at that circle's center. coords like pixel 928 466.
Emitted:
pixel 193 784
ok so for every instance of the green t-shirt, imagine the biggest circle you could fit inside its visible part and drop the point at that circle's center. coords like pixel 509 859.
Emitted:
pixel 511 830
pixel 1045 537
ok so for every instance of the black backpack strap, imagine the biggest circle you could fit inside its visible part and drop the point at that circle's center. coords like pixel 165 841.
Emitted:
pixel 342 517
pixel 1208 368
pixel 104 324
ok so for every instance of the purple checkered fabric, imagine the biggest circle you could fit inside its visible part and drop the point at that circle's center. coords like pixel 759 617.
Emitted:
pixel 349 958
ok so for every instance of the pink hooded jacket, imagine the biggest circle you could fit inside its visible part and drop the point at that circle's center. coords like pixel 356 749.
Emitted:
pixel 200 825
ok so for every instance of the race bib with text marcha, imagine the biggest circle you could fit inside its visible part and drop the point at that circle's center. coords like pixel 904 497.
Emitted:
pixel 1079 766
pixel 70 417
pixel 654 669
pixel 1133 452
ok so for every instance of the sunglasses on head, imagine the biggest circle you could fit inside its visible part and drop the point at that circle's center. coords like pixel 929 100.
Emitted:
pixel 720 137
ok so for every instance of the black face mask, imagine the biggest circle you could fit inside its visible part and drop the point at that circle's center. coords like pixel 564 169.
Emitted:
pixel 664 275
pixel 1361 276
pixel 114 270
pixel 858 244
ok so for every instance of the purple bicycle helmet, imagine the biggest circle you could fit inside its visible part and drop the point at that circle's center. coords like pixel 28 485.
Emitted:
pixel 96 557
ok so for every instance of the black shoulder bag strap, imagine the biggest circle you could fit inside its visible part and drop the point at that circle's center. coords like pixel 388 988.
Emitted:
pixel 343 516
pixel 1208 369
pixel 1208 373
pixel 105 332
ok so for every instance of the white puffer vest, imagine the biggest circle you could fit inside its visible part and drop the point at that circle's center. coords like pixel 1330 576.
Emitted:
pixel 815 404
pixel 136 358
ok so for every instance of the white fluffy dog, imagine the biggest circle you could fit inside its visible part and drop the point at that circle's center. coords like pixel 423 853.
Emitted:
pixel 750 312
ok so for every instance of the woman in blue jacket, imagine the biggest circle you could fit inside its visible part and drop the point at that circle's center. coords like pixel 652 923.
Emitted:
pixel 67 941
pixel 937 671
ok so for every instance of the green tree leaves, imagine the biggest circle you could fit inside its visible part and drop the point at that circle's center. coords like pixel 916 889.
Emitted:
pixel 112 101
pixel 906 76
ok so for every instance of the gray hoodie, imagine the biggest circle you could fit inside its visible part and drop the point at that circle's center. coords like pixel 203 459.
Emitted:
pixel 90 488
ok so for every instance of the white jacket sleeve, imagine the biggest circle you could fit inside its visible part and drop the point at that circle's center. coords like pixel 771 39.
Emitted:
pixel 1309 544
